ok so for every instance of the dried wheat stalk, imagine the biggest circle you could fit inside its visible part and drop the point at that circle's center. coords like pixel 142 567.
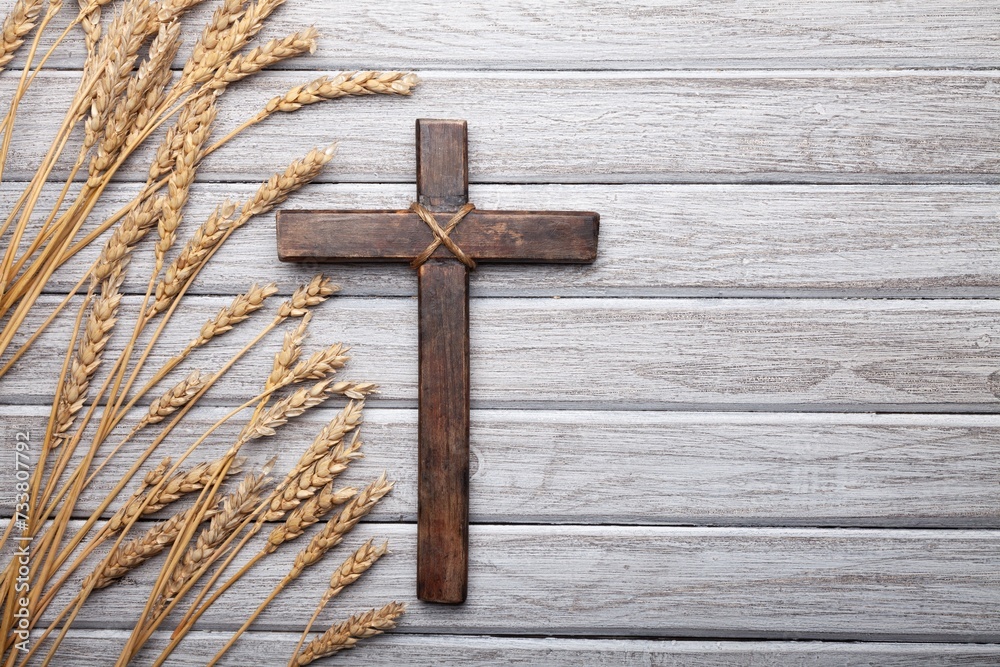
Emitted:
pixel 315 292
pixel 223 223
pixel 353 567
pixel 16 26
pixel 235 508
pixel 154 476
pixel 131 554
pixel 347 634
pixel 242 307
pixel 255 60
pixel 330 536
pixel 359 562
pixel 307 514
pixel 321 363
pixel 288 355
pixel 284 409
pixel 322 462
pixel 90 21
pixel 102 318
pixel 342 85
pixel 173 399
pixel 277 188
pixel 192 256
pixel 177 485
pixel 334 531
pixel 184 160
pixel 132 229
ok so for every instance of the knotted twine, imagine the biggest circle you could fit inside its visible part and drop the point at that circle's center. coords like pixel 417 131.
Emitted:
pixel 441 235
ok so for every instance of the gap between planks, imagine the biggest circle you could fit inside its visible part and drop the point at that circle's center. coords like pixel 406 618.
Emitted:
pixel 440 650
pixel 732 469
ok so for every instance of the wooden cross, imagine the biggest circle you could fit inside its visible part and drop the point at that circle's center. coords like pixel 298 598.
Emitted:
pixel 443 258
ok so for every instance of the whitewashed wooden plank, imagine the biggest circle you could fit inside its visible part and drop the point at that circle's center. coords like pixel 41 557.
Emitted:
pixel 635 34
pixel 750 583
pixel 646 467
pixel 636 127
pixel 656 240
pixel 750 354
pixel 83 649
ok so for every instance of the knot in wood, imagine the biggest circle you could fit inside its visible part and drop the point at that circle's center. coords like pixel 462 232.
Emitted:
pixel 441 235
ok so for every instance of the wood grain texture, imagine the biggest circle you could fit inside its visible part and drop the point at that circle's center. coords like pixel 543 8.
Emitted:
pixel 80 648
pixel 443 432
pixel 655 127
pixel 634 34
pixel 399 236
pixel 657 240
pixel 718 354
pixel 749 583
pixel 442 148
pixel 568 466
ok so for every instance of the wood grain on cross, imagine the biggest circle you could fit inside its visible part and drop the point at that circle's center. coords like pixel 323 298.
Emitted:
pixel 444 258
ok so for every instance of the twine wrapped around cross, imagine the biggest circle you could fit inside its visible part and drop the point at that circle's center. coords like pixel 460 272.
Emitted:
pixel 441 235
pixel 443 278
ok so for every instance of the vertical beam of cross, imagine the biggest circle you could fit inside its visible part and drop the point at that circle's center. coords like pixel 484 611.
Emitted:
pixel 403 236
pixel 443 385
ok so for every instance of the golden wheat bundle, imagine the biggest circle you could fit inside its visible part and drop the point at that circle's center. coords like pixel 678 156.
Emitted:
pixel 113 376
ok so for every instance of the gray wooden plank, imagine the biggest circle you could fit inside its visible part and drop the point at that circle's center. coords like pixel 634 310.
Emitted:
pixel 656 240
pixel 636 127
pixel 84 649
pixel 646 467
pixel 635 34
pixel 614 354
pixel 749 583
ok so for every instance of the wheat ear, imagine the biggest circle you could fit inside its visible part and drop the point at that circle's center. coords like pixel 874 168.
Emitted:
pixel 288 355
pixel 182 175
pixel 101 321
pixel 173 399
pixel 307 296
pixel 334 531
pixel 176 486
pixel 16 27
pixel 346 84
pixel 349 571
pixel 242 307
pixel 265 423
pixel 235 508
pixel 348 633
pixel 223 223
pixel 326 457
pixel 330 536
pixel 117 251
pixel 133 553
pixel 243 65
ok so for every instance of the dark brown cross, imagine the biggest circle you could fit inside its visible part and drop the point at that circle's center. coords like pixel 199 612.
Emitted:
pixel 443 258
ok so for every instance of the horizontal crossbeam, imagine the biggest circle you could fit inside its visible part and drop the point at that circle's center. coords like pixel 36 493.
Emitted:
pixel 399 236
